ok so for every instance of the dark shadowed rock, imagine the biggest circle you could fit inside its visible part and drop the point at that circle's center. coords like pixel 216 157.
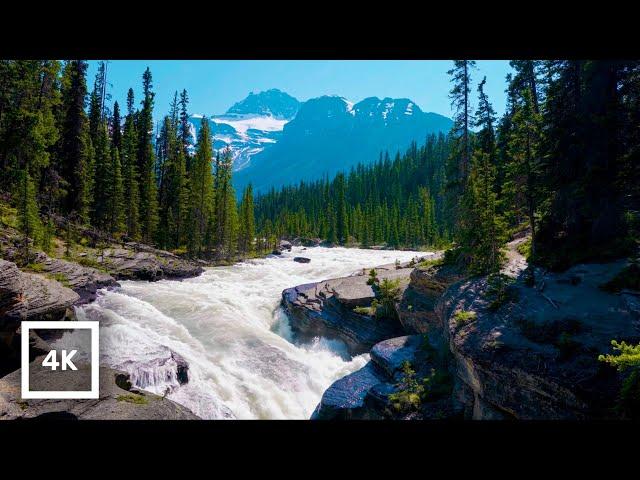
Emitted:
pixel 365 394
pixel 535 357
pixel 301 259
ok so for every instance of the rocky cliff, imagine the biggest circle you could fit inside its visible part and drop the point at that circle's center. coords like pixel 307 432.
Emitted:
pixel 509 350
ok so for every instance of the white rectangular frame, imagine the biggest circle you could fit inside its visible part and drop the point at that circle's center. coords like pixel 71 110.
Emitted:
pixel 95 367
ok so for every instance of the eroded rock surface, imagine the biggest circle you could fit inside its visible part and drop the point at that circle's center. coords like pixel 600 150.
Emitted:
pixel 117 401
pixel 535 356
pixel 327 309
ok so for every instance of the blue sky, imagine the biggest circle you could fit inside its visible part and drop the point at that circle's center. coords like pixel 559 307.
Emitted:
pixel 214 85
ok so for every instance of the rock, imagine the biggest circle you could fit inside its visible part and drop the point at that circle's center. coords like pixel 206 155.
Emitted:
pixel 365 393
pixel 306 242
pixel 26 296
pixel 345 398
pixel 326 309
pixel 301 259
pixel 276 252
pixel 148 264
pixel 426 286
pixel 535 357
pixel 389 355
pixel 284 245
pixel 115 402
pixel 85 281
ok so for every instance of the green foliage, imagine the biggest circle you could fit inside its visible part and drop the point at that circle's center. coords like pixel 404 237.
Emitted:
pixel 34 267
pixel 133 398
pixel 389 202
pixel 373 277
pixel 387 295
pixel 462 317
pixel 524 249
pixel 500 291
pixel 411 391
pixel 626 358
pixel 364 311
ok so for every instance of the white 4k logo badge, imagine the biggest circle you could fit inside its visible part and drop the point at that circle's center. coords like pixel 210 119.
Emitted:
pixel 50 360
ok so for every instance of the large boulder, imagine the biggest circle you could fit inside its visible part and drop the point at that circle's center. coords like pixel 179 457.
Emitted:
pixel 27 296
pixel 365 394
pixel 147 264
pixel 327 309
pixel 301 259
pixel 535 354
pixel 117 400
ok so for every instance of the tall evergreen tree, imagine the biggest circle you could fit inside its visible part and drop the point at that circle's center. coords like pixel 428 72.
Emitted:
pixel 201 199
pixel 146 163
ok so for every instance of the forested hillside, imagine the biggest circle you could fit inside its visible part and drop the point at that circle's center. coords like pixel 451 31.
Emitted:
pixel 561 162
pixel 71 159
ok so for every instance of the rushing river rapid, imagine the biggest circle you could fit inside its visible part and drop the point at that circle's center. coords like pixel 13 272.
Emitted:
pixel 229 327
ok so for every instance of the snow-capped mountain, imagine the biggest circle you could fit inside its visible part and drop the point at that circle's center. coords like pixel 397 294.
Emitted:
pixel 331 134
pixel 249 125
pixel 277 140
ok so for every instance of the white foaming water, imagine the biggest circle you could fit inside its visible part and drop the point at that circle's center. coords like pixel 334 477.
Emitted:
pixel 228 326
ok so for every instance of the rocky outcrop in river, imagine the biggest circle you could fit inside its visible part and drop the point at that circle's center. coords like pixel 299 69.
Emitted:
pixel 327 309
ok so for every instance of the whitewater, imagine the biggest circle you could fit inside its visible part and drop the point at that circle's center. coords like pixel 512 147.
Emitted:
pixel 229 327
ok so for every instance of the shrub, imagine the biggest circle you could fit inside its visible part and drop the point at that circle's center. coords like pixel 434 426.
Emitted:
pixel 463 317
pixel 412 392
pixel 524 249
pixel 373 277
pixel 627 358
pixel 35 267
pixel 500 291
pixel 627 278
pixel 387 296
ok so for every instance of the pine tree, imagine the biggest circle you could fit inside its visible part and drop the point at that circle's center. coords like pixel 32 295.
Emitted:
pixel 28 218
pixel 129 161
pixel 460 155
pixel 103 177
pixel 247 223
pixel 146 164
pixel 201 193
pixel 75 151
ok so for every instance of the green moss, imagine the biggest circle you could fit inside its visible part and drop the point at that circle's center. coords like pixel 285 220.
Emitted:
pixel 364 311
pixel 8 215
pixel 463 317
pixel 133 398
pixel 59 277
pixel 627 279
pixel 35 267
pixel 433 262
pixel 22 404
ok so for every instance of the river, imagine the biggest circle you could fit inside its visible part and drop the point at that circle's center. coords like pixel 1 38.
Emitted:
pixel 229 326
